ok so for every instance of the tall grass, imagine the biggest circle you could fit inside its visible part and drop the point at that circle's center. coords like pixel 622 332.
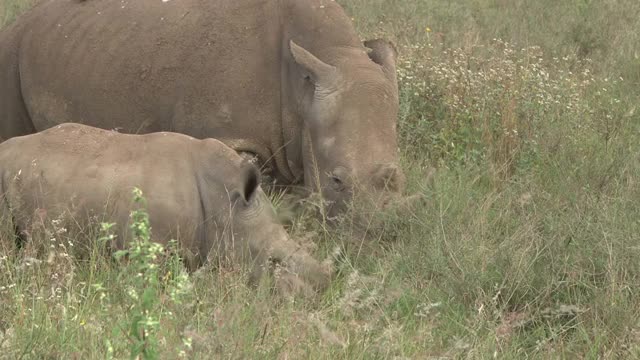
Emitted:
pixel 10 9
pixel 527 245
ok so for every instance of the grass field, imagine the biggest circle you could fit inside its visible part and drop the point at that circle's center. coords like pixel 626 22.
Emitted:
pixel 527 245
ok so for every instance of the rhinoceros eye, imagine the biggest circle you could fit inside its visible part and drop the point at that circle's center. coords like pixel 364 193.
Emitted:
pixel 336 183
pixel 338 178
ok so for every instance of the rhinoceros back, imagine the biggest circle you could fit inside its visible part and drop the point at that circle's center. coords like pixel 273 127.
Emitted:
pixel 190 66
pixel 72 173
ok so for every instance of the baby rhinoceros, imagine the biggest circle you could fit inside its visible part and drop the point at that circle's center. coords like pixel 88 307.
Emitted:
pixel 199 192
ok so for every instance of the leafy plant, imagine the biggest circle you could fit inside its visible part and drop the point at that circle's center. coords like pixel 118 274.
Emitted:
pixel 141 276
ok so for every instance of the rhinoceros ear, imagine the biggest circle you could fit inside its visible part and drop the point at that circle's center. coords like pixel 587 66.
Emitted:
pixel 383 53
pixel 318 71
pixel 249 182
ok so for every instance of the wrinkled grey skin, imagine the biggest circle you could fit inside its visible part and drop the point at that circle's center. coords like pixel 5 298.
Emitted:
pixel 287 80
pixel 200 192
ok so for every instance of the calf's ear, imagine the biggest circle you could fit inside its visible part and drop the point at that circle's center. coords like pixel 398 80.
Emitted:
pixel 249 182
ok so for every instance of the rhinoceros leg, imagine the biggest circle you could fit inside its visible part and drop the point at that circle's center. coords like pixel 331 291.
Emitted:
pixel 14 117
pixel 10 236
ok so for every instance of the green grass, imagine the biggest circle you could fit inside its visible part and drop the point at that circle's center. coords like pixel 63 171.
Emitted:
pixel 527 245
pixel 9 9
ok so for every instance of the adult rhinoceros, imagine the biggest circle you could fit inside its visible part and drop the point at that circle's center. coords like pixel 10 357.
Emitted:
pixel 286 80
pixel 199 192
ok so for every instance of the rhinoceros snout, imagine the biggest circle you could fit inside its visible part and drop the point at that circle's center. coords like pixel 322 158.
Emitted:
pixel 389 177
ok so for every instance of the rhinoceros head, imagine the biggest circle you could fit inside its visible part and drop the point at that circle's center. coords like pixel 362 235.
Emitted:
pixel 255 235
pixel 350 110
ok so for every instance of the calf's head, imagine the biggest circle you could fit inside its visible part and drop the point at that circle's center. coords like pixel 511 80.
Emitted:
pixel 252 234
pixel 350 110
